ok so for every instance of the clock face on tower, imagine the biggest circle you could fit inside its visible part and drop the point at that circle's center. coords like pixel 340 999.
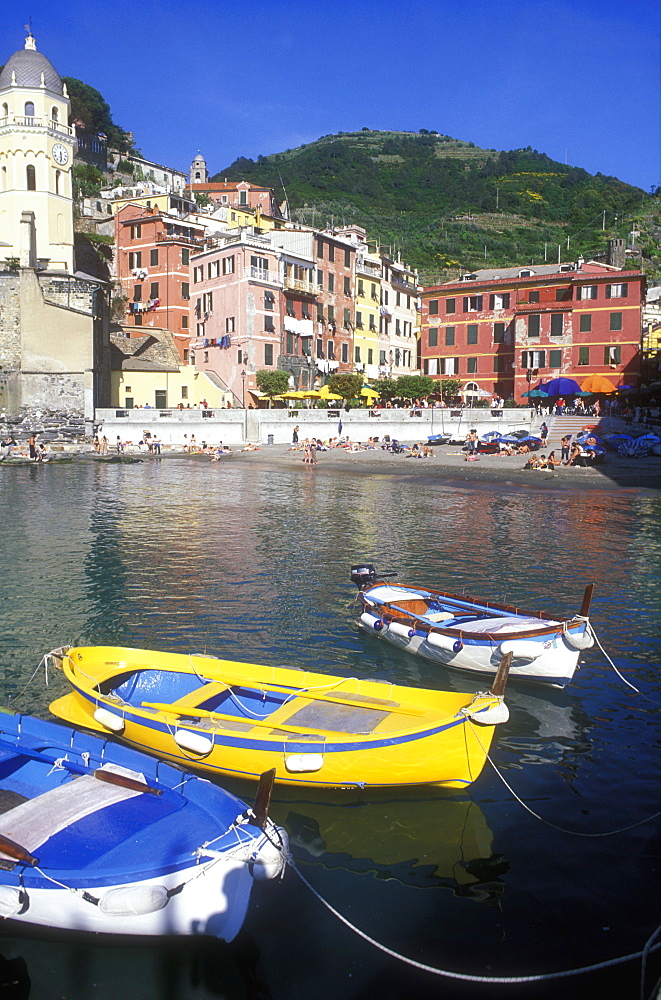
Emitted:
pixel 60 153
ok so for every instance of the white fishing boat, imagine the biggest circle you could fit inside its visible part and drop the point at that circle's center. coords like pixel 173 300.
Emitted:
pixel 473 635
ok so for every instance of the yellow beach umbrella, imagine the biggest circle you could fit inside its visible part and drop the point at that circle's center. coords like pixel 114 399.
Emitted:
pixel 325 393
pixel 369 393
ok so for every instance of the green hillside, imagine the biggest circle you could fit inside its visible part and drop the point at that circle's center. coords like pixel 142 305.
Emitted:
pixel 448 205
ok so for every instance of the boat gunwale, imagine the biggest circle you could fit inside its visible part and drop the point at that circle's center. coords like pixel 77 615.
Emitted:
pixel 396 613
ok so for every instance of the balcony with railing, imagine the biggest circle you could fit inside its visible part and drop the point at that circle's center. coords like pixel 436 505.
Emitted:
pixel 365 267
pixel 300 285
pixel 263 275
pixel 33 121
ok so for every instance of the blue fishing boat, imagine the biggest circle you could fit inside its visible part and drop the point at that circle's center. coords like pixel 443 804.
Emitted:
pixel 99 837
pixel 473 635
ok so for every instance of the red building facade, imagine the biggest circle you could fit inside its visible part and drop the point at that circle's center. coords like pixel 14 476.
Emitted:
pixel 153 267
pixel 502 331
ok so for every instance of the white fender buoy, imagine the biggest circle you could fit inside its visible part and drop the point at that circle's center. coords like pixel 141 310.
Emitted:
pixel 445 642
pixel 403 630
pixel 521 649
pixel 492 716
pixel 130 901
pixel 12 901
pixel 269 859
pixel 109 720
pixel 371 621
pixel 299 763
pixel 583 641
pixel 194 742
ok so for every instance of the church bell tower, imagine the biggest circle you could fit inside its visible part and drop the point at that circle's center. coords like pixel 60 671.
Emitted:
pixel 37 147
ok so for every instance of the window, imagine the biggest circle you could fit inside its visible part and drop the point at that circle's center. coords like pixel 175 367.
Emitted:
pixel 345 352
pixel 562 294
pixel 382 357
pixel 433 307
pixel 433 336
pixel 471 334
pixel 533 325
pixel 306 346
pixel 320 249
pixel 617 291
pixel 331 282
pixel 585 323
pixel 243 197
pixel 586 292
pixel 185 255
pixel 499 333
pixel 259 267
pixel 320 312
pixel 290 344
pixel 584 355
pixel 135 259
pixel 347 318
pixel 615 321
pixel 375 295
pixel 229 324
pixel 347 258
pixel 331 314
pixel 533 296
pixel 372 324
pixel 138 319
pixel 449 366
pixel 228 264
pixel 184 326
pixel 555 359
pixel 533 359
pixel 556 324
pixel 198 274
pixel 137 293
pixel 347 286
pixel 450 305
pixel 499 300
pixel 331 350
pixel 269 301
pixel 136 231
pixel 361 287
pixel 213 269
pixel 370 356
pixel 472 303
pixel 612 354
pixel 499 363
pixel 268 324
pixel 449 336
pixel 185 290
pixel 356 355
pixel 207 302
pixel 29 109
pixel 320 348
pixel 57 188
pixel 153 290
pixel 153 258
pixel 359 320
pixel 471 366
pixel 184 391
pixel 268 354
pixel 331 252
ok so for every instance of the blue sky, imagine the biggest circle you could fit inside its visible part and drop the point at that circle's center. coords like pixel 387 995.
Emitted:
pixel 577 79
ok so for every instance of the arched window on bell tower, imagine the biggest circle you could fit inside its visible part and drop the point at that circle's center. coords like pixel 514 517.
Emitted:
pixel 5 110
pixel 54 114
pixel 29 109
pixel 31 178
pixel 57 181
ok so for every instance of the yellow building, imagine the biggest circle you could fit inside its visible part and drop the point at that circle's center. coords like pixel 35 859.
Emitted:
pixel 368 301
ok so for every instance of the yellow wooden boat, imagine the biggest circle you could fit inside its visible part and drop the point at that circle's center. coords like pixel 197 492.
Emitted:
pixel 241 719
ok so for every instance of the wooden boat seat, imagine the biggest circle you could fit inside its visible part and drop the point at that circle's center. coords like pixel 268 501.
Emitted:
pixel 36 820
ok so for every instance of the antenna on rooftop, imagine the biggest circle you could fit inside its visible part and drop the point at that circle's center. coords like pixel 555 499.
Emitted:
pixel 285 193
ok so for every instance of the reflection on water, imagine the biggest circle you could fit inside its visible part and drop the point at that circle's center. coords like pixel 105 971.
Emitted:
pixel 252 564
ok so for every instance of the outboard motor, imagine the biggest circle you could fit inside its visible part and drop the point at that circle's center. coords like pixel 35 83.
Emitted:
pixel 364 575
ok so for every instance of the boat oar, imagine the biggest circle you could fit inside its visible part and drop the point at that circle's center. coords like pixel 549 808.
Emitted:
pixel 500 680
pixel 587 600
pixel 260 809
pixel 18 853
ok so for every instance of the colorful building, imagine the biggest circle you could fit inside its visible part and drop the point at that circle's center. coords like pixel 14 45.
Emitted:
pixel 502 331
pixel 153 256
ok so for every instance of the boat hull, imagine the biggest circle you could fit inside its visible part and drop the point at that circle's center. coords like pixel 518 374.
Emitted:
pixel 544 650
pixel 163 862
pixel 403 736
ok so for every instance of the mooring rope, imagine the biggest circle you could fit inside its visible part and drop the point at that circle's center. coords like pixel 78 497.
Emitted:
pixel 465 977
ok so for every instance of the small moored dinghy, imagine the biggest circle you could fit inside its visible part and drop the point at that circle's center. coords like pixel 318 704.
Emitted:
pixel 470 634
pixel 241 719
pixel 97 837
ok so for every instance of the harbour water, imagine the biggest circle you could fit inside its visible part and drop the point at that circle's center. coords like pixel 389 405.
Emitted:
pixel 251 562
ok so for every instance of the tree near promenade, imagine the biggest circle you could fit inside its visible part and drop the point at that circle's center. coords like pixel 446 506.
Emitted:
pixel 346 386
pixel 415 386
pixel 387 388
pixel 449 387
pixel 272 383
